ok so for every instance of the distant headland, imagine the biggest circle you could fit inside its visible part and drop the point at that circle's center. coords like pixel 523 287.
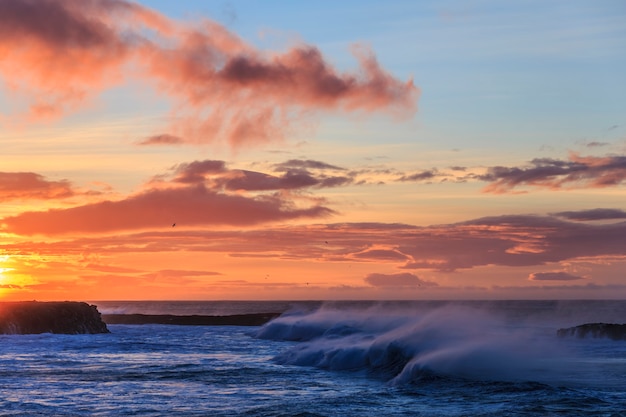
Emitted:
pixel 63 317
pixel 73 317
pixel 595 330
pixel 251 319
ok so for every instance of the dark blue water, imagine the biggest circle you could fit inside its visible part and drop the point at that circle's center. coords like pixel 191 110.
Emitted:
pixel 338 359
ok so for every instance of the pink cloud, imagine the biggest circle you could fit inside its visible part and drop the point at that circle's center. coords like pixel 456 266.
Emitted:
pixel 223 88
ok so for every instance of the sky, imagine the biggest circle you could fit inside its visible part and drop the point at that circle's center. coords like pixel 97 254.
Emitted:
pixel 244 150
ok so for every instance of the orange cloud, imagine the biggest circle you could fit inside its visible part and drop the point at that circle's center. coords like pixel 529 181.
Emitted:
pixel 29 185
pixel 199 193
pixel 224 89
pixel 158 208
pixel 444 248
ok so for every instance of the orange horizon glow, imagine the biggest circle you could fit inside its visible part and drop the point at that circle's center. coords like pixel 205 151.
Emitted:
pixel 146 156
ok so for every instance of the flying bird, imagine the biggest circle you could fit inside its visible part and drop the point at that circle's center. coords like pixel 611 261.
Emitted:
pixel 174 224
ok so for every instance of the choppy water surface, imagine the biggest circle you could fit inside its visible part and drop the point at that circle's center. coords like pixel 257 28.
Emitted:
pixel 352 359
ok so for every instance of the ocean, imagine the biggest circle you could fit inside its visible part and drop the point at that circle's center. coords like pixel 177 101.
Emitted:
pixel 394 358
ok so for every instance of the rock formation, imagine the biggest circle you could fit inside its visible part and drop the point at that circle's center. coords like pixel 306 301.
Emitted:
pixel 33 317
pixel 595 330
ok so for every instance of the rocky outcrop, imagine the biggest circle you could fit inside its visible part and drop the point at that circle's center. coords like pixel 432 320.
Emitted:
pixel 66 317
pixel 595 330
pixel 254 319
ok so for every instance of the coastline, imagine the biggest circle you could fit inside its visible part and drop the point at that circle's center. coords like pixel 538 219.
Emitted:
pixel 252 319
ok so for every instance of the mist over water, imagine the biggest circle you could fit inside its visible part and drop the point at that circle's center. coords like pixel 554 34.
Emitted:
pixel 487 341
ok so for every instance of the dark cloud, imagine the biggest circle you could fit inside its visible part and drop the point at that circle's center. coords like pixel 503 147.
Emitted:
pixel 305 164
pixel 421 176
pixel 216 175
pixel 163 139
pixel 577 172
pixel 553 276
pixel 337 181
pixel 257 181
pixel 196 171
pixel 397 280
pixel 594 214
pixel 596 144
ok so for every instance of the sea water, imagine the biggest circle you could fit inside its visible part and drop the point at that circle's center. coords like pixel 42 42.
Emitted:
pixel 497 358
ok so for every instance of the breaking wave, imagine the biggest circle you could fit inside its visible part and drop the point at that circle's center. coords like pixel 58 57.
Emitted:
pixel 407 344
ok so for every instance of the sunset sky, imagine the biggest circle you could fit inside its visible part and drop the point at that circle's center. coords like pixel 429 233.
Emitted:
pixel 312 150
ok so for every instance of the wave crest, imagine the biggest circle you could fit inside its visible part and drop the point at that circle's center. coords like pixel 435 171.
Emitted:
pixel 403 345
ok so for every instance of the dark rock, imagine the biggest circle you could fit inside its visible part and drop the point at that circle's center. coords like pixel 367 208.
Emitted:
pixel 253 319
pixel 66 317
pixel 595 330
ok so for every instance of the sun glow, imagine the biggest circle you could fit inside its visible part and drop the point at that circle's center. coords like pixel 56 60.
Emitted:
pixel 3 260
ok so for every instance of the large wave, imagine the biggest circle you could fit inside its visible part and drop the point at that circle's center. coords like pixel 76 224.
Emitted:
pixel 405 344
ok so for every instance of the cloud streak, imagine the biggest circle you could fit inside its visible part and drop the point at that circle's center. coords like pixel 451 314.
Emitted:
pixel 403 279
pixel 222 87
pixel 508 241
pixel 576 172
pixel 553 276
pixel 593 214
pixel 554 174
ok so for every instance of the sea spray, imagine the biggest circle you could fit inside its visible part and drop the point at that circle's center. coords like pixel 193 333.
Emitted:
pixel 401 344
